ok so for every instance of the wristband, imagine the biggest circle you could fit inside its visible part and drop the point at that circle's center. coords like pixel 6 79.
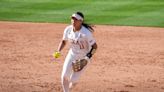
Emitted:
pixel 92 51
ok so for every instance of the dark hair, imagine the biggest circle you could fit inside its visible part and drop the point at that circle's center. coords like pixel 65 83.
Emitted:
pixel 85 24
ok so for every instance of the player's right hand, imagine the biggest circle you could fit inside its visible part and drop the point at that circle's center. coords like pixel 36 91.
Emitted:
pixel 56 54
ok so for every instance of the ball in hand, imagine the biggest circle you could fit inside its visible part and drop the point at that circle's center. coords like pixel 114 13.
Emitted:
pixel 56 54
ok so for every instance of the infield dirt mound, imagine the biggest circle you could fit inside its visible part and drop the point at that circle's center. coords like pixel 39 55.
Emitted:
pixel 128 59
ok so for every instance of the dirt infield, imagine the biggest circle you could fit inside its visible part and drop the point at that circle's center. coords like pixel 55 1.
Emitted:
pixel 128 59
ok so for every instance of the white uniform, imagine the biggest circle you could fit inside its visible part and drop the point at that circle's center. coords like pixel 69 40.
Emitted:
pixel 81 42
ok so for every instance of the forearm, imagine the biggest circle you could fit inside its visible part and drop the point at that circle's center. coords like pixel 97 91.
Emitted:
pixel 61 45
pixel 92 51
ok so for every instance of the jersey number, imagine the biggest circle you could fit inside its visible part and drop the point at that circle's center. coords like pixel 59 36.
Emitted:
pixel 81 44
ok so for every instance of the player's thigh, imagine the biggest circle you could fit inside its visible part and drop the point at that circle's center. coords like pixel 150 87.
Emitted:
pixel 76 75
pixel 67 67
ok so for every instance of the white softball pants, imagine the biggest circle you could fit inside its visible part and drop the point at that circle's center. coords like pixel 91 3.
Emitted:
pixel 68 75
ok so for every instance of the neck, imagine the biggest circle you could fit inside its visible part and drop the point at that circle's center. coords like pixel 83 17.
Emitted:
pixel 77 28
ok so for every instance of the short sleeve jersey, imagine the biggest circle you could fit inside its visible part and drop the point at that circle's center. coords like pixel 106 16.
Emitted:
pixel 81 41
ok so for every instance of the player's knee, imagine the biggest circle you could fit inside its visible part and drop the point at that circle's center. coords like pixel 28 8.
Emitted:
pixel 64 78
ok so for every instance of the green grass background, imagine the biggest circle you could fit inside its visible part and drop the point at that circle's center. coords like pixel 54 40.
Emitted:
pixel 113 12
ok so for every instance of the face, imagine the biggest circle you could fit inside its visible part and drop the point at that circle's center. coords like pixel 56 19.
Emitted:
pixel 76 23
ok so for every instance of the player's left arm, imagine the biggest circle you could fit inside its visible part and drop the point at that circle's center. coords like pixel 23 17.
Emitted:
pixel 92 51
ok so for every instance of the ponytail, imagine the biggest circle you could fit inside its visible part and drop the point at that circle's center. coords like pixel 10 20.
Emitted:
pixel 89 27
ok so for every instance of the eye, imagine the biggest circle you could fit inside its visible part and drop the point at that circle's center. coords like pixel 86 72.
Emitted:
pixel 74 18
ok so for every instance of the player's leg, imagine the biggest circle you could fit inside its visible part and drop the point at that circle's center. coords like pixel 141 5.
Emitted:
pixel 75 76
pixel 66 72
pixel 73 79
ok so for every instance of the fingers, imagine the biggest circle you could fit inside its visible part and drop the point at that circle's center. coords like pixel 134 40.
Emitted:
pixel 56 54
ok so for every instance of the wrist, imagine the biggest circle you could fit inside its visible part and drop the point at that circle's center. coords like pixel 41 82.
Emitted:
pixel 87 58
pixel 89 55
pixel 91 52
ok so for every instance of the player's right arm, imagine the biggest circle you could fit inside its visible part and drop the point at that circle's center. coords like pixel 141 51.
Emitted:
pixel 64 39
pixel 61 45
pixel 57 53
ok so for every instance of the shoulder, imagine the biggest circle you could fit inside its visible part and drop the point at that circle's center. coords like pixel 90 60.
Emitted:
pixel 86 31
pixel 68 29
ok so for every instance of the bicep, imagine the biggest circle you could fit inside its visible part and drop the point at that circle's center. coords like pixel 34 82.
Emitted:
pixel 91 40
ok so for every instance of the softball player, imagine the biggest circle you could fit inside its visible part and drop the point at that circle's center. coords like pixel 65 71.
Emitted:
pixel 83 46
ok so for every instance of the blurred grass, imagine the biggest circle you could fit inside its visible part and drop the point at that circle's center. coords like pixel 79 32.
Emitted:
pixel 113 12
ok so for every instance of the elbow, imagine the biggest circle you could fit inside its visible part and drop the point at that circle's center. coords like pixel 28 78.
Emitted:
pixel 63 42
pixel 95 46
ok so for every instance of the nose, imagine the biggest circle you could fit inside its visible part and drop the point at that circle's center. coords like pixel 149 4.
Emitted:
pixel 72 21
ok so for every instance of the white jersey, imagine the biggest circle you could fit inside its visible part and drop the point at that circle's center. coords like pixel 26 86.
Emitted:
pixel 81 41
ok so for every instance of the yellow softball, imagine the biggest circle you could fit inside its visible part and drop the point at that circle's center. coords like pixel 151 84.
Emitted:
pixel 56 54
